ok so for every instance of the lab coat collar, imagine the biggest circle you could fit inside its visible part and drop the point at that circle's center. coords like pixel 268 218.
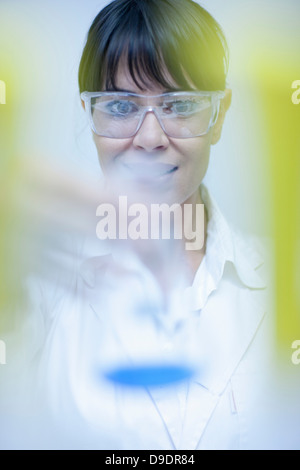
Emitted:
pixel 230 245
pixel 223 245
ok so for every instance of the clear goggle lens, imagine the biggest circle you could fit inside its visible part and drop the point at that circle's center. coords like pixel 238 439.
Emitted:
pixel 181 115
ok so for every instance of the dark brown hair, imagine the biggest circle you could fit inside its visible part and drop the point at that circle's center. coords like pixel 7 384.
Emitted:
pixel 154 36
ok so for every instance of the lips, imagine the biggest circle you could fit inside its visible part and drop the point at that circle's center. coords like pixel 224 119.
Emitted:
pixel 149 170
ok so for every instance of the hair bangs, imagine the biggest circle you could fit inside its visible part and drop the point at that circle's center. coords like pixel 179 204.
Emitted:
pixel 136 49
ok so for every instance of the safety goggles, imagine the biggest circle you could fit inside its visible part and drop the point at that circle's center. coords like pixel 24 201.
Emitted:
pixel 182 115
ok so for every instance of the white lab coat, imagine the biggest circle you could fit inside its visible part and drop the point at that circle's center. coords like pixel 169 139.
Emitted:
pixel 214 410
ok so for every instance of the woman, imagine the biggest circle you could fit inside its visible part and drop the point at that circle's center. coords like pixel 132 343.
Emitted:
pixel 152 79
pixel 156 48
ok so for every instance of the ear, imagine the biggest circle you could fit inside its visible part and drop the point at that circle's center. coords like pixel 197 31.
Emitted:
pixel 224 106
pixel 83 104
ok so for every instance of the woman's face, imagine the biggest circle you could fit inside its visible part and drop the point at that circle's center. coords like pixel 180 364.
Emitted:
pixel 172 168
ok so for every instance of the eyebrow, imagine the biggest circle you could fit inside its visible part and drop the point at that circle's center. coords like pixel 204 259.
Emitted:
pixel 123 90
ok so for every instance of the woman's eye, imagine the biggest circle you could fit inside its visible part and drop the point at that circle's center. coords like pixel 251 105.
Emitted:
pixel 185 107
pixel 122 108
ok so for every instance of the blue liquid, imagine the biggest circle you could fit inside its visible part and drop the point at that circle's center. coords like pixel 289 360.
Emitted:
pixel 149 376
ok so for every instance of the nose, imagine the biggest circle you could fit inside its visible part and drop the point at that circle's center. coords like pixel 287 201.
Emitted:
pixel 150 136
